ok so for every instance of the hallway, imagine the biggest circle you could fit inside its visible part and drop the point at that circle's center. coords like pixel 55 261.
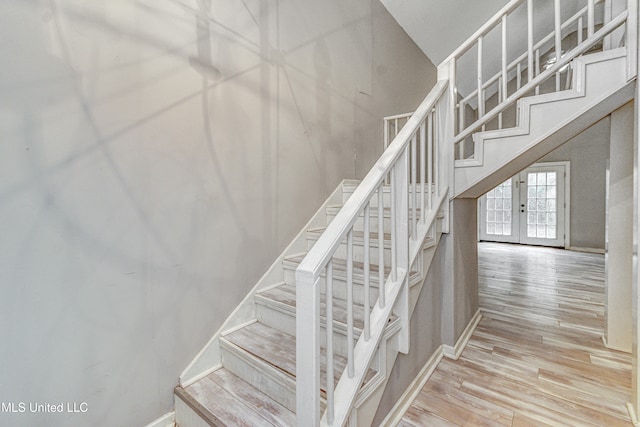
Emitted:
pixel 536 357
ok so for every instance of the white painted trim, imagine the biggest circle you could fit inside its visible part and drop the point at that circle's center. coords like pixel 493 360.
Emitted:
pixel 167 420
pixel 516 236
pixel 404 402
pixel 567 202
pixel 588 250
pixel 632 415
pixel 238 327
pixel 210 356
pixel 567 196
pixel 455 352
pixel 402 405
pixel 201 375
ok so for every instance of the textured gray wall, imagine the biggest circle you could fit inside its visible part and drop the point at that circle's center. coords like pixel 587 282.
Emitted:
pixel 156 157
pixel 460 292
pixel 588 153
pixel 448 301
pixel 425 336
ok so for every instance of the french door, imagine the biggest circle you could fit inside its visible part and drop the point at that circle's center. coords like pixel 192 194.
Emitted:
pixel 528 208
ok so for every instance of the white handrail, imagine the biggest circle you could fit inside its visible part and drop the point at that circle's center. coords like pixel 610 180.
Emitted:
pixel 407 233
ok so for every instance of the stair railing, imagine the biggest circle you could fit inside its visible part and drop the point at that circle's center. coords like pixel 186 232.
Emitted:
pixel 427 137
pixel 417 189
pixel 486 99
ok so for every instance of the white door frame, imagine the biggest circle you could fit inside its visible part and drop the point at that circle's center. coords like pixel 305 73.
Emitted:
pixel 516 209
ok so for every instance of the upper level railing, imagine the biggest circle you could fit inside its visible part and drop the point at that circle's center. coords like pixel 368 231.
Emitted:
pixel 526 49
pixel 417 188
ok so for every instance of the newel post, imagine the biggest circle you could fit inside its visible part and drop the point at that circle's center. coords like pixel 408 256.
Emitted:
pixel 307 349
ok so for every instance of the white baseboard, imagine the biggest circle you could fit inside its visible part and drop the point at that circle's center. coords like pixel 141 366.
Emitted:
pixel 167 420
pixel 588 250
pixel 404 402
pixel 455 352
pixel 397 412
pixel 632 414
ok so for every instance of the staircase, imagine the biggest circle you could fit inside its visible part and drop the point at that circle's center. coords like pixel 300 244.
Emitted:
pixel 254 384
pixel 314 341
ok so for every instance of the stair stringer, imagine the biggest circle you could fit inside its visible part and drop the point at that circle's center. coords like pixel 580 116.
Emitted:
pixel 546 122
pixel 210 358
pixel 366 406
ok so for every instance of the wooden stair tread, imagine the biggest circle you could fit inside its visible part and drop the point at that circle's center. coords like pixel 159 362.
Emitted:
pixel 278 349
pixel 286 294
pixel 223 398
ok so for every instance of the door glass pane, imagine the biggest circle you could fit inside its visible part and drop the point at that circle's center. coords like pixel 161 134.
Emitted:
pixel 499 210
pixel 541 217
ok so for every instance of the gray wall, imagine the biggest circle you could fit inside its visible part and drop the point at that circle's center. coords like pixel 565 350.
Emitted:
pixel 156 157
pixel 425 337
pixel 448 301
pixel 588 153
pixel 460 294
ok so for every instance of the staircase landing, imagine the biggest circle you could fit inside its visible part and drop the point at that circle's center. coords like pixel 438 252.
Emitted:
pixel 537 357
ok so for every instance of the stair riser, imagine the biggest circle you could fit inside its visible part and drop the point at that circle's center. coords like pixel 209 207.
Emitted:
pixel 277 385
pixel 359 224
pixel 373 221
pixel 386 202
pixel 287 323
pixel 339 287
pixel 187 417
pixel 359 251
pixel 386 196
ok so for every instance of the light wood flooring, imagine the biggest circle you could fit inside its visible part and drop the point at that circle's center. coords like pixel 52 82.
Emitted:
pixel 536 357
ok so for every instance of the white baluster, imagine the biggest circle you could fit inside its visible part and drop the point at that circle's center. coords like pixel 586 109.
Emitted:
pixel 414 197
pixel 350 303
pixel 580 23
pixel 423 165
pixel 500 99
pixel 430 159
pixel 504 57
pixel 558 37
pixel 367 293
pixel 480 91
pixel 590 17
pixel 381 290
pixel 529 40
pixel 394 236
pixel 329 330
pixel 537 69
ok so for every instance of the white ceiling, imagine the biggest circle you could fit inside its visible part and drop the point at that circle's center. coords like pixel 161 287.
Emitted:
pixel 438 27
